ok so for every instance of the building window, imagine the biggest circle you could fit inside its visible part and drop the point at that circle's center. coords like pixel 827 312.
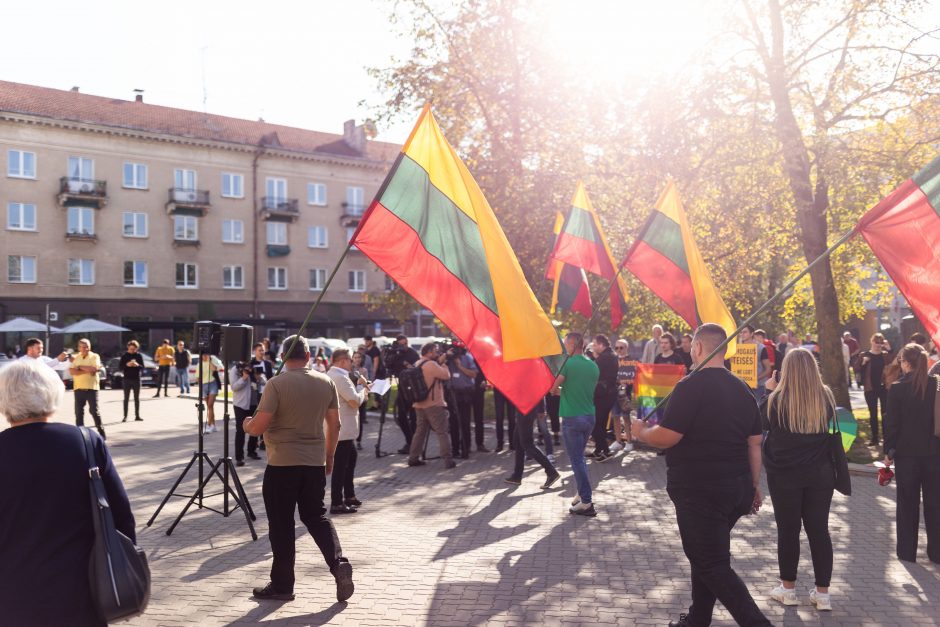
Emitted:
pixel 357 280
pixel 389 283
pixel 81 169
pixel 316 194
pixel 186 275
pixel 233 231
pixel 350 231
pixel 354 201
pixel 81 221
pixel 233 185
pixel 135 224
pixel 277 233
pixel 316 237
pixel 81 272
pixel 184 180
pixel 135 176
pixel 233 277
pixel 21 164
pixel 21 269
pixel 185 228
pixel 276 189
pixel 277 278
pixel 135 274
pixel 21 216
pixel 317 279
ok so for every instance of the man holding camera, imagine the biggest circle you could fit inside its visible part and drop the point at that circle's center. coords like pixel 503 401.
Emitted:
pixel 247 385
pixel 463 372
pixel 299 417
pixel 398 357
pixel 432 411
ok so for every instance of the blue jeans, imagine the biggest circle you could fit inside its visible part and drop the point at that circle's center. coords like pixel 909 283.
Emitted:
pixel 542 422
pixel 183 374
pixel 575 431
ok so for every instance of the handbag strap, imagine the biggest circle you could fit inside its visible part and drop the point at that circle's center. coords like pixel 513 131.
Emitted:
pixel 94 473
pixel 835 422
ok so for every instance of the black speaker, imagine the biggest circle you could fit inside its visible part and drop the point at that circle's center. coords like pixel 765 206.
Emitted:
pixel 236 342
pixel 208 337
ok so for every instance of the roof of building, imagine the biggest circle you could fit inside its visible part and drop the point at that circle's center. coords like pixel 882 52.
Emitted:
pixel 74 106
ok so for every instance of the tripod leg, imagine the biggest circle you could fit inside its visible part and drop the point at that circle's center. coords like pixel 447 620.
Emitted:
pixel 240 489
pixel 241 498
pixel 378 443
pixel 179 480
pixel 197 494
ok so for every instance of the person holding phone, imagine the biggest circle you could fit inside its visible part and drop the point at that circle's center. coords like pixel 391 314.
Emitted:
pixel 131 364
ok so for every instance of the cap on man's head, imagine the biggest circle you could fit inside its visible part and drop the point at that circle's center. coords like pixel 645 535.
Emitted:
pixel 367 338
pixel 401 336
pixel 300 349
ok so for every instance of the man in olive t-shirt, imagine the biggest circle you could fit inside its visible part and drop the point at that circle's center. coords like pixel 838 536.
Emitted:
pixel 576 383
pixel 299 417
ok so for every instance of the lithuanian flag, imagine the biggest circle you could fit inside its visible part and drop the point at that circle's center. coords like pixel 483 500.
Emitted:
pixel 582 244
pixel 570 290
pixel 432 231
pixel 653 383
pixel 903 231
pixel 665 258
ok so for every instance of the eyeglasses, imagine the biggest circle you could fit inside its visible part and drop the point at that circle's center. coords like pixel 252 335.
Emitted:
pixel 620 348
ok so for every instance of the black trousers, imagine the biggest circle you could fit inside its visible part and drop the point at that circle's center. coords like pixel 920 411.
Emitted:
pixel 802 497
pixel 240 415
pixel 362 419
pixel 405 418
pixel 552 405
pixel 90 397
pixel 504 409
pixel 344 470
pixel 131 386
pixel 286 488
pixel 916 476
pixel 479 396
pixel 706 512
pixel 163 378
pixel 603 403
pixel 460 421
pixel 525 447
pixel 873 398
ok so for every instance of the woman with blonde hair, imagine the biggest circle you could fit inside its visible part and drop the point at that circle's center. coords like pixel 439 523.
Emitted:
pixel 910 443
pixel 800 472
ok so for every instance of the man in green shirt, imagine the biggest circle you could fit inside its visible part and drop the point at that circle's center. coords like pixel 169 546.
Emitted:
pixel 576 383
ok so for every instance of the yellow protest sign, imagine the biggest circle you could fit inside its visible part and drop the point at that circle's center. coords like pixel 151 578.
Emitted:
pixel 744 364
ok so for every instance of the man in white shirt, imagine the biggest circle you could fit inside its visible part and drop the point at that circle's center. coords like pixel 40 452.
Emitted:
pixel 34 349
pixel 651 349
pixel 343 493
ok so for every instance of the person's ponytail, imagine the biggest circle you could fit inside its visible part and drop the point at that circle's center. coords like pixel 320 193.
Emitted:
pixel 916 358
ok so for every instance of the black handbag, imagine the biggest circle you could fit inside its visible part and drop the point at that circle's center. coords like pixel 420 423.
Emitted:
pixel 839 461
pixel 118 573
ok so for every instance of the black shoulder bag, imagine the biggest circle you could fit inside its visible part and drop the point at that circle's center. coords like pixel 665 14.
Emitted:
pixel 839 461
pixel 118 574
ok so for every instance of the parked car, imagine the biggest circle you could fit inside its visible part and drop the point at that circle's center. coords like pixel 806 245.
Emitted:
pixel 148 373
pixel 5 361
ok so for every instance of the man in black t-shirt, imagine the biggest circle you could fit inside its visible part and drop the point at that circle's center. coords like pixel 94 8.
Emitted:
pixel 131 364
pixel 605 395
pixel 712 435
pixel 379 371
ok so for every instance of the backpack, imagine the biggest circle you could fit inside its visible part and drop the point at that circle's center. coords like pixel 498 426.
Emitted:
pixel 412 386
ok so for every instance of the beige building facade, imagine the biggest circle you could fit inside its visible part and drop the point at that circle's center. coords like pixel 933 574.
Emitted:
pixel 152 217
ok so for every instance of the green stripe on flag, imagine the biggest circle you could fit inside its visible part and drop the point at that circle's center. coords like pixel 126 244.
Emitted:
pixel 580 224
pixel 928 180
pixel 664 235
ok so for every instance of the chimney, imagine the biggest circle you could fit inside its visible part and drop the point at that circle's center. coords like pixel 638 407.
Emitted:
pixel 354 136
pixel 139 97
pixel 75 89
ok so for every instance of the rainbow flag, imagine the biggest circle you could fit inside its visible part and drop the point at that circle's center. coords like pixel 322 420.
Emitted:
pixel 903 231
pixel 653 383
pixel 666 259
pixel 432 231
pixel 582 244
pixel 570 290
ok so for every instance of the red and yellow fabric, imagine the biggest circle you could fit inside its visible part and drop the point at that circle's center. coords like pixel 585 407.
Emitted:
pixel 570 290
pixel 653 383
pixel 581 243
pixel 666 259
pixel 903 231
pixel 432 231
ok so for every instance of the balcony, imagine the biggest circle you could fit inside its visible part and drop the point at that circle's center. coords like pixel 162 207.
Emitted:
pixel 278 209
pixel 188 202
pixel 352 215
pixel 80 236
pixel 278 250
pixel 85 192
pixel 182 243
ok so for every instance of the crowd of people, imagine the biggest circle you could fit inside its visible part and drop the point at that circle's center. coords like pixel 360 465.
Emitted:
pixel 717 434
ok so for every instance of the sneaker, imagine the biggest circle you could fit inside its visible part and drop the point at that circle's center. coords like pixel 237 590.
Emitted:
pixel 344 582
pixel 682 622
pixel 450 464
pixel 616 446
pixel 601 456
pixel 499 448
pixel 416 462
pixel 551 480
pixel 239 462
pixel 513 480
pixel 551 458
pixel 125 419
pixel 268 593
pixel 787 596
pixel 342 509
pixel 353 502
pixel 575 500
pixel 627 447
pixel 821 600
pixel 583 509
pixel 138 419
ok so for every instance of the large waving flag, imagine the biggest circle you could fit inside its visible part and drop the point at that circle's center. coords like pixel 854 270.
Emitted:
pixel 432 231
pixel 582 244
pixel 665 258
pixel 652 384
pixel 903 231
pixel 570 290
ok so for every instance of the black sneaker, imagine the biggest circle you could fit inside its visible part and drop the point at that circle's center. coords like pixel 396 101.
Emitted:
pixel 583 509
pixel 602 456
pixel 682 622
pixel 416 462
pixel 450 464
pixel 344 583
pixel 551 480
pixel 342 509
pixel 125 419
pixel 499 448
pixel 239 462
pixel 354 502
pixel 138 419
pixel 513 480
pixel 253 455
pixel 268 593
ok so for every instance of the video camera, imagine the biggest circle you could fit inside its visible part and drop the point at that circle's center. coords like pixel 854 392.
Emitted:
pixel 393 356
pixel 452 349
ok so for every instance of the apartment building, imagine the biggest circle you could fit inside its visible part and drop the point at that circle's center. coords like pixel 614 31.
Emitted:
pixel 152 217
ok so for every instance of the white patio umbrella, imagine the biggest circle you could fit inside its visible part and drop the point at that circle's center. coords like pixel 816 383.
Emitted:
pixel 24 325
pixel 91 325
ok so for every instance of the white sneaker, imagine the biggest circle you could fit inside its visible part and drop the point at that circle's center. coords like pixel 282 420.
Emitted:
pixel 627 447
pixel 821 600
pixel 787 596
pixel 616 446
pixel 551 458
pixel 575 500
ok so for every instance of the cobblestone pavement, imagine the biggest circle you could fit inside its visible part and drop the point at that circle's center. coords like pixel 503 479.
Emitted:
pixel 461 547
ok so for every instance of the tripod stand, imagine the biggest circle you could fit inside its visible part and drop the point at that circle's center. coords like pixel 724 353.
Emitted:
pixel 203 459
pixel 383 402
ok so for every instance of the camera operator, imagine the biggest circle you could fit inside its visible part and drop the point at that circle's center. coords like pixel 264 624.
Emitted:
pixel 375 366
pixel 246 390
pixel 399 356
pixel 463 372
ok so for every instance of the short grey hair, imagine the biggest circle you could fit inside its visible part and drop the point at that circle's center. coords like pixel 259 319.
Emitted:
pixel 300 350
pixel 29 389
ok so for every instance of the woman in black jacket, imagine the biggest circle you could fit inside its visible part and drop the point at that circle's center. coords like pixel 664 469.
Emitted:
pixel 911 445
pixel 800 472
pixel 46 529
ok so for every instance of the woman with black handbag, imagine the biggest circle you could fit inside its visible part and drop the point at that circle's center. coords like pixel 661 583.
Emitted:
pixel 911 445
pixel 801 473
pixel 47 530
